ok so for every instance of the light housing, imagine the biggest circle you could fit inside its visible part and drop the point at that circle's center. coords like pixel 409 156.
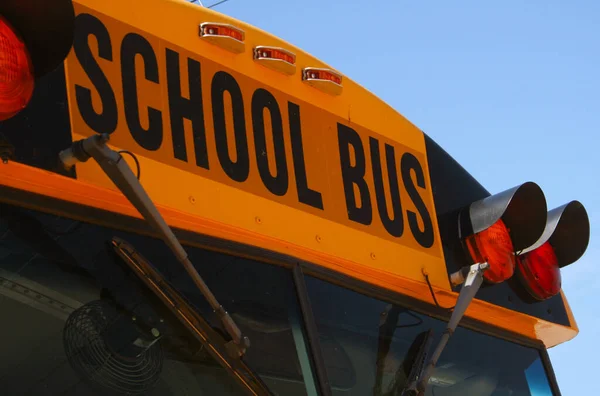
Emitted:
pixel 276 58
pixel 35 37
pixel 326 80
pixel 495 228
pixel 47 28
pixel 228 37
pixel 564 240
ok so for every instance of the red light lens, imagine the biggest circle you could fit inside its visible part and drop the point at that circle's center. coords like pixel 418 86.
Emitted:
pixel 539 272
pixel 494 246
pixel 324 75
pixel 16 72
pixel 275 54
pixel 223 31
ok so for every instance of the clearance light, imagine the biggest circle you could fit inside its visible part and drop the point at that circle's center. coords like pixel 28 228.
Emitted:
pixel 563 242
pixel 495 228
pixel 16 72
pixel 276 58
pixel 327 80
pixel 225 36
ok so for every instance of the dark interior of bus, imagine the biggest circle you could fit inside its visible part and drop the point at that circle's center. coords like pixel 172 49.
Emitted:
pixel 77 320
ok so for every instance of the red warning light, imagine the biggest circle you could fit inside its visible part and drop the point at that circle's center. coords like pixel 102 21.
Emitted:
pixel 540 273
pixel 493 246
pixel 16 72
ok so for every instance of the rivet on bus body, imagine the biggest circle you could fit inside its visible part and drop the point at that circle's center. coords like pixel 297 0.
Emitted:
pixel 373 256
pixel 192 200
pixel 258 220
pixel 318 238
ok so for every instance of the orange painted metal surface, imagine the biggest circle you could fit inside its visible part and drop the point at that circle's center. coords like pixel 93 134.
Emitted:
pixel 22 177
pixel 186 171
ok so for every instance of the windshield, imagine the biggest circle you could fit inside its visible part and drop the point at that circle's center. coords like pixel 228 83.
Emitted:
pixel 78 322
pixel 378 340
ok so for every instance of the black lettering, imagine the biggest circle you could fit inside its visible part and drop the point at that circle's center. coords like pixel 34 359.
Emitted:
pixel 224 82
pixel 425 237
pixel 191 109
pixel 354 175
pixel 263 99
pixel 394 225
pixel 106 121
pixel 132 46
pixel 305 194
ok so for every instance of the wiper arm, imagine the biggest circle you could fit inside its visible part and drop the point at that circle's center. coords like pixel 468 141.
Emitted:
pixel 473 278
pixel 122 176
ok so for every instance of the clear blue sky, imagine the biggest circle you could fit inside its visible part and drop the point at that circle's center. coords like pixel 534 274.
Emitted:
pixel 510 88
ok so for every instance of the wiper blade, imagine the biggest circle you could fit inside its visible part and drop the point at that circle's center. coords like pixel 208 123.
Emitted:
pixel 122 176
pixel 419 349
pixel 188 317
pixel 407 375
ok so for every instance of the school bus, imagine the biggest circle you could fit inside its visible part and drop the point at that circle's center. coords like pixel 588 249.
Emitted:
pixel 190 205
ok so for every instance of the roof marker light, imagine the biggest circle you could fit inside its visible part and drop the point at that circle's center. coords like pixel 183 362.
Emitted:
pixel 223 35
pixel 326 80
pixel 276 58
pixel 16 72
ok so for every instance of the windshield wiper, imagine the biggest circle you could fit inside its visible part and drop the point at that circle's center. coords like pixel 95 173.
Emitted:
pixel 188 316
pixel 421 368
pixel 408 373
pixel 472 277
pixel 418 349
pixel 116 168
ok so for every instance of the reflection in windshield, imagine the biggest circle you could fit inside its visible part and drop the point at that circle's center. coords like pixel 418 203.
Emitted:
pixel 77 321
pixel 536 379
pixel 376 344
pixel 82 323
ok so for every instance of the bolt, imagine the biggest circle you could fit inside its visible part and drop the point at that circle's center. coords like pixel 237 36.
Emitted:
pixel 258 220
pixel 372 256
pixel 318 238
pixel 192 200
